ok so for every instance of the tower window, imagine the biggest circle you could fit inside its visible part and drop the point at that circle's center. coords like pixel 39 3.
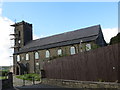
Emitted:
pixel 19 33
pixel 19 41
pixel 47 54
pixel 37 64
pixel 36 55
pixel 59 51
pixel 27 56
pixel 72 50
pixel 18 58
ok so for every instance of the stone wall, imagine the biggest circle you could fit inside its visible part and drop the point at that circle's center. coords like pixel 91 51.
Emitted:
pixel 53 53
pixel 80 84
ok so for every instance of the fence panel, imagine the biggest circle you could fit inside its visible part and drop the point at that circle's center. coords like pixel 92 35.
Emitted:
pixel 96 65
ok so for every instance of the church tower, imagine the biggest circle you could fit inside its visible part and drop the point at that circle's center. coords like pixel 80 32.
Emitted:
pixel 22 34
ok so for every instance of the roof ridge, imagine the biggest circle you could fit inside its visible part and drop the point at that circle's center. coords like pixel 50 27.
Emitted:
pixel 68 32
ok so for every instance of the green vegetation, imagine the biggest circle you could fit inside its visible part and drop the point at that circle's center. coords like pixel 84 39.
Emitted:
pixel 115 39
pixel 95 46
pixel 3 77
pixel 54 57
pixel 29 77
pixel 3 74
pixel 100 80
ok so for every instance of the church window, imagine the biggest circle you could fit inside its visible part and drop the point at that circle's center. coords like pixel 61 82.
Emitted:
pixel 59 51
pixel 36 55
pixel 47 54
pixel 18 57
pixel 37 64
pixel 19 41
pixel 88 47
pixel 72 50
pixel 27 56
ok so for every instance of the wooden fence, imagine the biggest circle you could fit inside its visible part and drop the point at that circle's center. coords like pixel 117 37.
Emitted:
pixel 96 65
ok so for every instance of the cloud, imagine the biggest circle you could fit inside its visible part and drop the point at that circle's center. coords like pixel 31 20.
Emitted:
pixel 5 44
pixel 109 33
pixel 35 37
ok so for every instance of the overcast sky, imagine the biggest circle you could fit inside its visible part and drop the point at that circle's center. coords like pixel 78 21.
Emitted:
pixel 54 18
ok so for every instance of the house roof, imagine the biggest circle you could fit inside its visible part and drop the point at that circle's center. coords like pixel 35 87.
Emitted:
pixel 67 38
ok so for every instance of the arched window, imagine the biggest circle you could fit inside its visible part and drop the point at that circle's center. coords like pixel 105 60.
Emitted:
pixel 59 51
pixel 72 50
pixel 27 56
pixel 18 57
pixel 36 55
pixel 88 47
pixel 47 54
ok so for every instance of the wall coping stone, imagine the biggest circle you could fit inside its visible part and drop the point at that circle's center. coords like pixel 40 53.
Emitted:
pixel 78 84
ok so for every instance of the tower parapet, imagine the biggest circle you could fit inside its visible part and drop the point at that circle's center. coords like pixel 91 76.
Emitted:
pixel 22 34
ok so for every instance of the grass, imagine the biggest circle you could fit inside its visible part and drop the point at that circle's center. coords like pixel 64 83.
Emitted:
pixel 3 74
pixel 29 77
pixel 3 77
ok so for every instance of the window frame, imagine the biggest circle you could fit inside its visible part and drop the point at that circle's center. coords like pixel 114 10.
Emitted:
pixel 36 55
pixel 47 54
pixel 27 57
pixel 88 44
pixel 71 50
pixel 60 52
pixel 18 58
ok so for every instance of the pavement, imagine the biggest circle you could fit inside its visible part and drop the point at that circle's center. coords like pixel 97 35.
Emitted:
pixel 19 84
pixel 29 85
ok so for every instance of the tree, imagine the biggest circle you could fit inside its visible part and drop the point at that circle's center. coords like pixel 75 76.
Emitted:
pixel 115 39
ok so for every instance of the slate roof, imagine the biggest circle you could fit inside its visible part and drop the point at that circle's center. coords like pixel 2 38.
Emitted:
pixel 67 38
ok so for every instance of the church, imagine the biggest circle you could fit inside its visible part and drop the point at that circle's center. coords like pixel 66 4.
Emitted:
pixel 29 55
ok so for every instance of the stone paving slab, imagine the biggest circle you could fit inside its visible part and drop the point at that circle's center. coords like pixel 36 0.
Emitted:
pixel 19 82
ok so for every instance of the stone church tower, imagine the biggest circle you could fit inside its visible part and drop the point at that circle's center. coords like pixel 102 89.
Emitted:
pixel 22 35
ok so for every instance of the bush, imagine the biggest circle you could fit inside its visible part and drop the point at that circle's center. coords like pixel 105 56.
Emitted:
pixel 115 39
pixel 4 72
pixel 29 77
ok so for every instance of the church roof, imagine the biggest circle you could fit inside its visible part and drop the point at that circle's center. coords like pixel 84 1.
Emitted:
pixel 67 38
